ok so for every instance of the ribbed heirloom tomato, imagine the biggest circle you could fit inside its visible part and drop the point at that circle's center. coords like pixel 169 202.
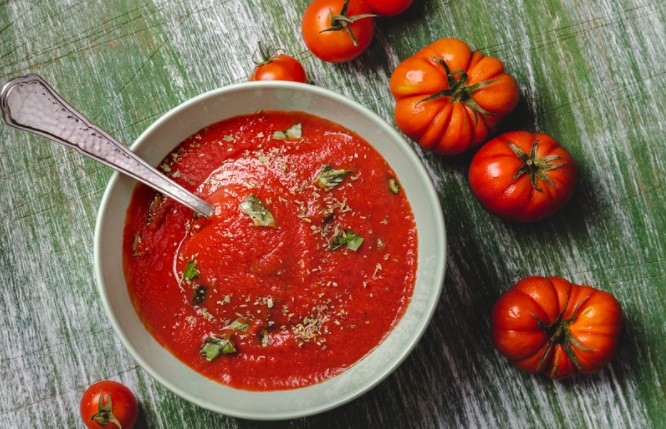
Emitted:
pixel 521 176
pixel 550 325
pixel 450 98
pixel 338 30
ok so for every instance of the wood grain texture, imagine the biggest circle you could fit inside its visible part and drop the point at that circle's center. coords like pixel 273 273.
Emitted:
pixel 592 74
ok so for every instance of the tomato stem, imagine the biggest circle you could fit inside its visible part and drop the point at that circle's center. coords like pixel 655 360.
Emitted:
pixel 534 166
pixel 104 413
pixel 459 91
pixel 341 21
pixel 266 53
pixel 559 333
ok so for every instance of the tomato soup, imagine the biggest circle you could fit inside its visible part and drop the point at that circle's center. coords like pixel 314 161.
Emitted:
pixel 307 264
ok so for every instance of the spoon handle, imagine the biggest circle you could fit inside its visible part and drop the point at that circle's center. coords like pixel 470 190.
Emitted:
pixel 30 104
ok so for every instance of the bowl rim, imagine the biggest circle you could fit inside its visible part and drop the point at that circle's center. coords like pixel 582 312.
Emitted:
pixel 437 228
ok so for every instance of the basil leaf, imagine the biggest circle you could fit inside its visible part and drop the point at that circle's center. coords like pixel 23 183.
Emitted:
pixel 393 185
pixel 213 347
pixel 347 238
pixel 239 325
pixel 191 271
pixel 135 245
pixel 328 178
pixel 154 212
pixel 292 133
pixel 260 215
pixel 279 135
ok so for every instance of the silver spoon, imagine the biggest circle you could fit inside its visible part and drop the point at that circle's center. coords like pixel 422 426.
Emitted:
pixel 29 103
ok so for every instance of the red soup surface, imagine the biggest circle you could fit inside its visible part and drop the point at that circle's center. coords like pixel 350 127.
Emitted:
pixel 307 264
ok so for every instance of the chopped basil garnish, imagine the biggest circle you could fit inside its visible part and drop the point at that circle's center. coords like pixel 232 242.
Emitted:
pixel 191 271
pixel 393 185
pixel 199 295
pixel 293 133
pixel 329 178
pixel 239 325
pixel 347 238
pixel 265 340
pixel 260 215
pixel 214 347
pixel 135 244
pixel 154 208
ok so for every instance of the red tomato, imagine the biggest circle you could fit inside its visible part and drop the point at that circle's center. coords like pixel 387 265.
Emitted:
pixel 450 98
pixel 521 176
pixel 109 404
pixel 388 7
pixel 550 325
pixel 274 66
pixel 338 30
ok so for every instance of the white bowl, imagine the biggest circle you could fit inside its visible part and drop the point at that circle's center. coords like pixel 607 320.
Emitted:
pixel 163 136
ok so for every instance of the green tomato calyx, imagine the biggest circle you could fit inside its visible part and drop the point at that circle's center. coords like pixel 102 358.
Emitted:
pixel 341 21
pixel 459 91
pixel 266 53
pixel 534 166
pixel 559 333
pixel 104 413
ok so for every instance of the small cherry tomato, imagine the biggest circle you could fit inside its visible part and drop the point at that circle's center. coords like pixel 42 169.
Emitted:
pixel 277 66
pixel 521 176
pixel 450 98
pixel 338 30
pixel 550 325
pixel 388 7
pixel 109 404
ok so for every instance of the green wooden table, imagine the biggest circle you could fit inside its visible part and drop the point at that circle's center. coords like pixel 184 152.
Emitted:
pixel 591 73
